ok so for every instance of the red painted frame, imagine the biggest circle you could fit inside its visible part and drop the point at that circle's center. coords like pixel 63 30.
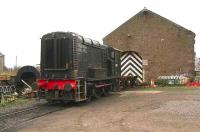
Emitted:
pixel 52 84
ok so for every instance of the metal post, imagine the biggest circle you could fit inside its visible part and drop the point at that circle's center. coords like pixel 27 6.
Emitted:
pixel 2 99
pixel 85 89
pixel 26 84
pixel 79 90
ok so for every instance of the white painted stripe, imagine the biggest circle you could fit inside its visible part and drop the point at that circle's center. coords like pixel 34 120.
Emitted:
pixel 131 63
pixel 124 72
pixel 130 67
pixel 128 63
pixel 132 58
pixel 130 72
pixel 139 79
pixel 138 57
pixel 122 62
pixel 124 56
pixel 135 55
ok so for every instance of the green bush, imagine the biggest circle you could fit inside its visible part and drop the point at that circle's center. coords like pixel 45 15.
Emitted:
pixel 162 82
pixel 165 82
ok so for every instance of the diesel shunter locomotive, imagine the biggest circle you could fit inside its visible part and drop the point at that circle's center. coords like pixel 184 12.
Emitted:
pixel 74 68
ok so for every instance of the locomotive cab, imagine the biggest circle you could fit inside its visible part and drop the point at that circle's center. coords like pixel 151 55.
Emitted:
pixel 55 56
pixel 56 67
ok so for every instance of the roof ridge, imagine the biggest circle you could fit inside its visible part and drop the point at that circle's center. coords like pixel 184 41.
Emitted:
pixel 169 20
pixel 147 10
pixel 1 54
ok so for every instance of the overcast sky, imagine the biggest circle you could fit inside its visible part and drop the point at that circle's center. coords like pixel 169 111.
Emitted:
pixel 23 22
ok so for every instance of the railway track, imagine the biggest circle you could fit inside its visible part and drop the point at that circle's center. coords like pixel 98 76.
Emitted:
pixel 9 121
pixel 17 112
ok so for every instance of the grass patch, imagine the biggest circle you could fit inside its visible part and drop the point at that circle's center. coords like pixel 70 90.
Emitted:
pixel 18 101
pixel 176 88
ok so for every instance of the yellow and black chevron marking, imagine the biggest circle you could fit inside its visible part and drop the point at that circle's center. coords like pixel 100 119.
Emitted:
pixel 131 65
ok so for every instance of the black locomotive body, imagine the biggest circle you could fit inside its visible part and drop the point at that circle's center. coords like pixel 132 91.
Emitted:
pixel 74 68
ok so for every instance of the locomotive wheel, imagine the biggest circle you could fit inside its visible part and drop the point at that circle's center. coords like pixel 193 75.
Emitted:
pixel 106 91
pixel 89 99
pixel 97 93
pixel 89 96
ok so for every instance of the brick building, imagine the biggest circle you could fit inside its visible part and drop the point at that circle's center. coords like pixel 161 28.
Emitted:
pixel 165 47
pixel 1 62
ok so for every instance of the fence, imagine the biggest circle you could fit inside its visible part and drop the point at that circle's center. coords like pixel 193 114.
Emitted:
pixel 7 93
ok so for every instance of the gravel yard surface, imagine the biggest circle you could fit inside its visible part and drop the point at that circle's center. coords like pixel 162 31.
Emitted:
pixel 187 109
pixel 126 111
